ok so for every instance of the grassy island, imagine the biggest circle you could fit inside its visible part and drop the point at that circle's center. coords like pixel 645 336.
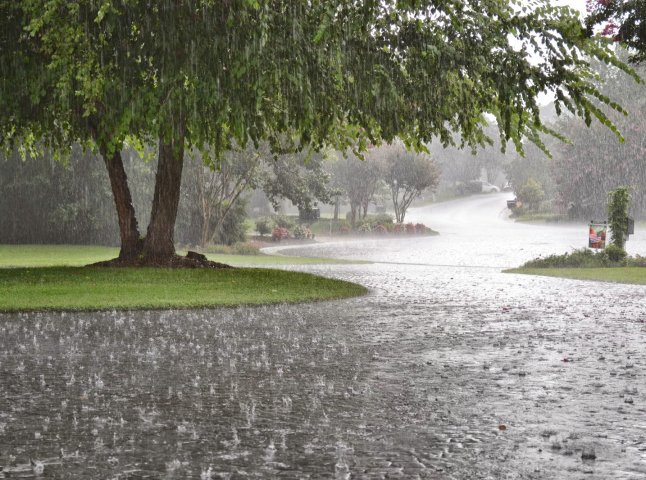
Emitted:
pixel 34 278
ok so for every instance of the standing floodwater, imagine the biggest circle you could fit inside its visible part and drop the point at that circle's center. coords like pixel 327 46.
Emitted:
pixel 448 369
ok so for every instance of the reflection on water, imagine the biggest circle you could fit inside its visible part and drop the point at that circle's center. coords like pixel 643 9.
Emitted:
pixel 438 373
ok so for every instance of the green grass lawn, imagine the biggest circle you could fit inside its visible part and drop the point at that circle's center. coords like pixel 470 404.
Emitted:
pixel 634 275
pixel 79 255
pixel 87 288
pixel 52 277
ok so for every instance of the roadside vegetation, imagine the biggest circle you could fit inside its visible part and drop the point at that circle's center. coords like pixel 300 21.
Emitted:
pixel 281 227
pixel 88 288
pixel 611 263
pixel 608 265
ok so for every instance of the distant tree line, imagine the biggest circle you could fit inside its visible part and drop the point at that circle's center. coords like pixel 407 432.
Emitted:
pixel 46 201
pixel 578 177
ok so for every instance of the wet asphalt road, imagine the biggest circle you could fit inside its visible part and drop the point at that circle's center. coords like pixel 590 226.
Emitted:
pixel 447 369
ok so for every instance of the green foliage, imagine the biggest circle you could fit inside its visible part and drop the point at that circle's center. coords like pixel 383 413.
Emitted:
pixel 615 253
pixel 619 199
pixel 298 177
pixel 232 228
pixel 302 232
pixel 283 221
pixel 264 225
pixel 531 194
pixel 583 258
pixel 594 162
pixel 407 175
pixel 342 72
pixel 211 74
pixel 381 219
pixel 43 201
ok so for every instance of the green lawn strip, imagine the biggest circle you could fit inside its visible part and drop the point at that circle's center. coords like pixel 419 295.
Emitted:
pixel 53 255
pixel 12 256
pixel 261 260
pixel 632 275
pixel 73 288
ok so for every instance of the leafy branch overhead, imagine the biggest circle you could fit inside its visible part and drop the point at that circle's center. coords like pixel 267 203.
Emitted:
pixel 243 70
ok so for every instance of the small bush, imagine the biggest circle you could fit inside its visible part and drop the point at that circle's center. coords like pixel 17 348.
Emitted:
pixel 279 233
pixel 410 228
pixel 283 221
pixel 264 225
pixel 381 219
pixel 636 261
pixel 364 228
pixel 341 226
pixel 302 232
pixel 380 229
pixel 246 248
pixel 615 253
pixel 240 248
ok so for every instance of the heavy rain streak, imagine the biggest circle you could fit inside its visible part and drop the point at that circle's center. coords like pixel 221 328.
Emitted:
pixel 400 146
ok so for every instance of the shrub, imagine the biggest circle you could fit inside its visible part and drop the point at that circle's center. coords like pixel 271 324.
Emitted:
pixel 365 228
pixel 615 253
pixel 618 215
pixel 279 233
pixel 531 194
pixel 264 225
pixel 302 232
pixel 410 228
pixel 636 261
pixel 381 219
pixel 380 229
pixel 341 226
pixel 283 221
pixel 246 248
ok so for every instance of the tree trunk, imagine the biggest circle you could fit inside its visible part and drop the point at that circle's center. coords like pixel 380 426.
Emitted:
pixel 131 243
pixel 337 201
pixel 159 247
pixel 205 207
pixel 353 214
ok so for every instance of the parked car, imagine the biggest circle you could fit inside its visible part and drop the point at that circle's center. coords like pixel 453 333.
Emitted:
pixel 489 188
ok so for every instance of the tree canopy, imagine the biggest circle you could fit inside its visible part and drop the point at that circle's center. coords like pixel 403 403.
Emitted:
pixel 623 20
pixel 208 74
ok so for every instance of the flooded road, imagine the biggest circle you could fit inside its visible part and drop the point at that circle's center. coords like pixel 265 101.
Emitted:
pixel 447 369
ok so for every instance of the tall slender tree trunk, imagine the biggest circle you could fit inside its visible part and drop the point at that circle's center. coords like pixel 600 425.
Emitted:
pixel 159 247
pixel 205 207
pixel 131 243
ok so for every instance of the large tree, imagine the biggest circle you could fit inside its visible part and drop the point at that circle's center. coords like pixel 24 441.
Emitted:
pixel 203 74
pixel 407 175
pixel 594 163
pixel 358 180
